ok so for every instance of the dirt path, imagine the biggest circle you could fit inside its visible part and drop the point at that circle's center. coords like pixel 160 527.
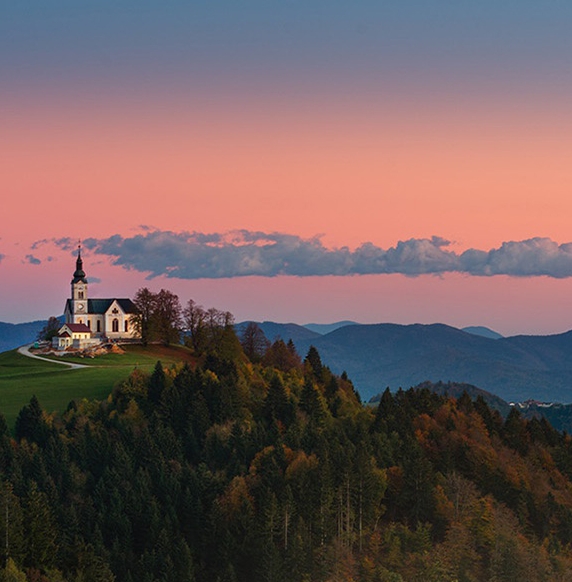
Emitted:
pixel 25 351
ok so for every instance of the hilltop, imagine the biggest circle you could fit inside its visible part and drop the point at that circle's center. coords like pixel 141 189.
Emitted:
pixel 56 386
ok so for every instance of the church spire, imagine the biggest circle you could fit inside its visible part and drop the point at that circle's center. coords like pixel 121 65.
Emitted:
pixel 79 275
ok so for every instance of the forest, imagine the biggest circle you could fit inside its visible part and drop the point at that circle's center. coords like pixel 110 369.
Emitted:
pixel 253 464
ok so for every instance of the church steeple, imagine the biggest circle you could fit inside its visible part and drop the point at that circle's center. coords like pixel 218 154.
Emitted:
pixel 79 275
pixel 79 306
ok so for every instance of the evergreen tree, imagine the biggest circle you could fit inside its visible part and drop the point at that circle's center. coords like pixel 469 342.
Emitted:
pixel 157 383
pixel 30 423
pixel 315 362
pixel 277 404
pixel 41 529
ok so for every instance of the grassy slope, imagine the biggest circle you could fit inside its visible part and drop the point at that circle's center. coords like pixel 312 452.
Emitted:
pixel 55 385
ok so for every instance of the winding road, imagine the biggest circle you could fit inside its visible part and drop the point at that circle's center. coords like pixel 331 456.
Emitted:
pixel 25 351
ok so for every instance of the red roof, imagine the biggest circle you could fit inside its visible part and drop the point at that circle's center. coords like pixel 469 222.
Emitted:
pixel 78 327
pixel 65 334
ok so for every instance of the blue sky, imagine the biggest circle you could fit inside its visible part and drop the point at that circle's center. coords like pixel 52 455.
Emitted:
pixel 324 44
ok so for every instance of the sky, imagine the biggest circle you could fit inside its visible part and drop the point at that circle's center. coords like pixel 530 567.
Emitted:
pixel 295 161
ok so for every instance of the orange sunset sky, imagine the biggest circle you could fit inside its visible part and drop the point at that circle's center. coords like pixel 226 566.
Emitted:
pixel 294 121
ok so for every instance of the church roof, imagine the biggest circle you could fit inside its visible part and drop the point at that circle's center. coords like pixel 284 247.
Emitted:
pixel 100 306
pixel 77 327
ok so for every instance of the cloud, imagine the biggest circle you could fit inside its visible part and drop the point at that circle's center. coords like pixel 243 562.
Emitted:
pixel 32 260
pixel 239 253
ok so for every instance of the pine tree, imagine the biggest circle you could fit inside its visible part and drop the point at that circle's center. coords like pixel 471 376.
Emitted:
pixel 157 383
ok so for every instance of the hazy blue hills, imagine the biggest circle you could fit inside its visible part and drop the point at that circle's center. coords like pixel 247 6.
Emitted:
pixel 515 368
pixel 13 335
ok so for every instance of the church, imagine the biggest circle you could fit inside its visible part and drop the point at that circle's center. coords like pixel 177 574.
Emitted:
pixel 90 321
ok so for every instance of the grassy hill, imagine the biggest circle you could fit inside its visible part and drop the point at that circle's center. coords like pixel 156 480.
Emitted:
pixel 55 385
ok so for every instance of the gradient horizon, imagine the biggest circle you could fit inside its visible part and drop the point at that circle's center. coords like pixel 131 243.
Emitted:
pixel 365 124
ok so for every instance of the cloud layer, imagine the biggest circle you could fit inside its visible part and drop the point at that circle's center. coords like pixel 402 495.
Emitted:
pixel 192 255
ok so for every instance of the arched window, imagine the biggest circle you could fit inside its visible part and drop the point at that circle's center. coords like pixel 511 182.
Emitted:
pixel 98 325
pixel 115 325
pixel 89 323
pixel 80 295
pixel 126 326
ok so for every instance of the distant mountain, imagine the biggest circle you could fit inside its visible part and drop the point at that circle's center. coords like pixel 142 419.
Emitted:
pixel 13 335
pixel 323 328
pixel 285 331
pixel 482 331
pixel 515 368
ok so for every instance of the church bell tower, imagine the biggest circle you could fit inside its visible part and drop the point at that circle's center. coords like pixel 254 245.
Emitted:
pixel 79 290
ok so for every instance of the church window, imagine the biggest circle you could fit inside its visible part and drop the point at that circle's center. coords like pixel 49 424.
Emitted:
pixel 126 326
pixel 80 295
pixel 98 325
pixel 115 325
pixel 89 323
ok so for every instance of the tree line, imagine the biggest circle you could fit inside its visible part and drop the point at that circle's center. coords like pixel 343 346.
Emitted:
pixel 161 318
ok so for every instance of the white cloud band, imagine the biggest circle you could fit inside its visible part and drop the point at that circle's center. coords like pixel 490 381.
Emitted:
pixel 187 255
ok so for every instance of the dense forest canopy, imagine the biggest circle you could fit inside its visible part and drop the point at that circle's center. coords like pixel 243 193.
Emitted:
pixel 267 467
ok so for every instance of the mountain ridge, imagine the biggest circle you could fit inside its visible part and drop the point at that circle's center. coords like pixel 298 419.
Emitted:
pixel 516 368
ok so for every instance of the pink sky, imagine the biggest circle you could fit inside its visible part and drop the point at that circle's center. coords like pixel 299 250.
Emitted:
pixel 476 172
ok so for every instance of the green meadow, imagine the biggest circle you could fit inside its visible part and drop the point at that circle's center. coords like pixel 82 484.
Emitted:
pixel 56 386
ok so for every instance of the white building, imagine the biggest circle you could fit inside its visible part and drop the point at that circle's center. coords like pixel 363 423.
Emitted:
pixel 105 318
pixel 74 335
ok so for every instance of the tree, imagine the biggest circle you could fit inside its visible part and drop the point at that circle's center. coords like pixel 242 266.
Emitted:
pixel 40 529
pixel 210 331
pixel 167 317
pixel 282 356
pixel 146 303
pixel 216 322
pixel 253 341
pixel 30 423
pixel 49 330
pixel 194 320
pixel 277 404
pixel 157 383
pixel 12 573
pixel 315 362
pixel 12 536
pixel 312 402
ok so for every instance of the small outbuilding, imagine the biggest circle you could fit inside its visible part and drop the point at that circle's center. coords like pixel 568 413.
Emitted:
pixel 74 335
